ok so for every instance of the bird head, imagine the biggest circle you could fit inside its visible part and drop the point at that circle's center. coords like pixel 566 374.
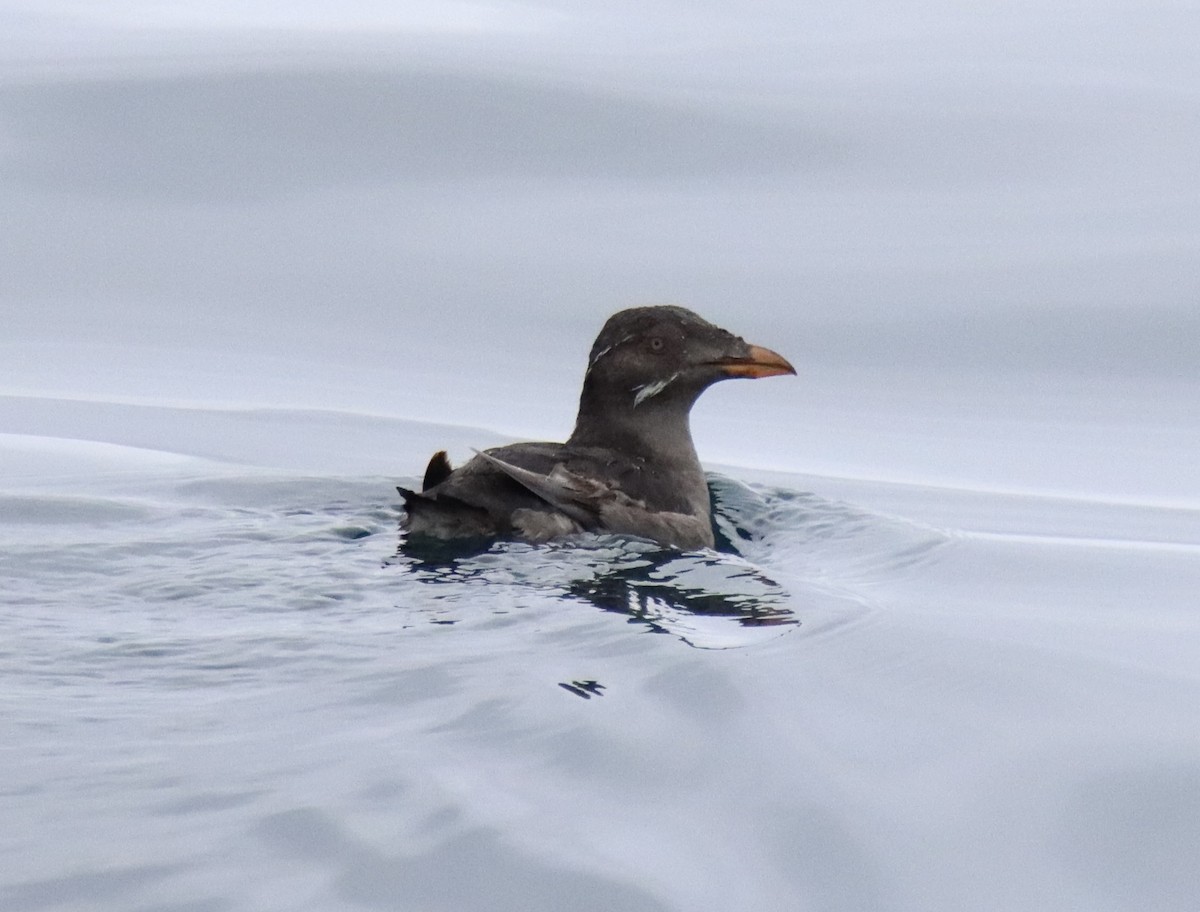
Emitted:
pixel 647 357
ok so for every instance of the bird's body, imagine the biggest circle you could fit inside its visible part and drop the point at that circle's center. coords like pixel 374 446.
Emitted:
pixel 629 467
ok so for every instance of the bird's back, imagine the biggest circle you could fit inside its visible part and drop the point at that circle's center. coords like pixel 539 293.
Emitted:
pixel 540 491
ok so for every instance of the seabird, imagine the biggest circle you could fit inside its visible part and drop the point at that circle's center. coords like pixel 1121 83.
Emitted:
pixel 629 467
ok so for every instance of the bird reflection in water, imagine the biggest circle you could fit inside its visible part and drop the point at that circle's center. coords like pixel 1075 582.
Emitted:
pixel 706 598
pixel 659 592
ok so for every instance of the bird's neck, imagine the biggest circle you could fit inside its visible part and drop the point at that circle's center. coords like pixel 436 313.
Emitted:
pixel 657 434
pixel 657 431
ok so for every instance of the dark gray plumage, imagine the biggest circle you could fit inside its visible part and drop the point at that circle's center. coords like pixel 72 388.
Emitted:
pixel 629 467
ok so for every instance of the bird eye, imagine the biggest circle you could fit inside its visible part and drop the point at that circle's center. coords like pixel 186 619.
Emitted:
pixel 656 344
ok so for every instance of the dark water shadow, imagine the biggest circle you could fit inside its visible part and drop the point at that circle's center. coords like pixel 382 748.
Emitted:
pixel 705 598
pixel 655 592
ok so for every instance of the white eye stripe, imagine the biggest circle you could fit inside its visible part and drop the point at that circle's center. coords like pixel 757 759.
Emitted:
pixel 604 351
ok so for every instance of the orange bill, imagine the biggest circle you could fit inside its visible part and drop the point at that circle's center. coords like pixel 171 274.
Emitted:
pixel 760 362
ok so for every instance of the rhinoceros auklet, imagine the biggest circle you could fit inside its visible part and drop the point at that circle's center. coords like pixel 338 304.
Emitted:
pixel 629 467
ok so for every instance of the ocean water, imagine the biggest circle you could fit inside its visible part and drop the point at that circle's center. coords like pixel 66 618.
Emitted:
pixel 258 262
pixel 233 689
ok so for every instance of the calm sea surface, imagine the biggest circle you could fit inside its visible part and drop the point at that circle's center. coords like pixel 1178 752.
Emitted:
pixel 232 691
